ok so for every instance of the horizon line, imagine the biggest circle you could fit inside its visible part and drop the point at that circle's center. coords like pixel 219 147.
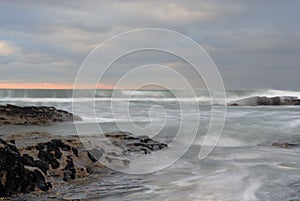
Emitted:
pixel 53 86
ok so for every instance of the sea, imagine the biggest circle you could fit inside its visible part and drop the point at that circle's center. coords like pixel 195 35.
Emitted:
pixel 241 163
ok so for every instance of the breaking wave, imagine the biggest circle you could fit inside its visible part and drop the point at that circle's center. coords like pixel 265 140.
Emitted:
pixel 197 96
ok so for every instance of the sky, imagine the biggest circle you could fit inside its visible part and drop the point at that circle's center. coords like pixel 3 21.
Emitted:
pixel 255 44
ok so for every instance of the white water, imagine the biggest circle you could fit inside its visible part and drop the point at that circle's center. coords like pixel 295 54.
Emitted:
pixel 65 96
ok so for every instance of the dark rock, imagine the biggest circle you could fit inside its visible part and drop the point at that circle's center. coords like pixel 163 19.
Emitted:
pixel 42 165
pixel 28 160
pixel 75 151
pixel 288 142
pixel 69 170
pixel 285 145
pixel 140 144
pixel 14 177
pixel 30 115
pixel 119 135
pixel 48 158
pixel 233 104
pixel 262 100
pixel 37 160
pixel 95 154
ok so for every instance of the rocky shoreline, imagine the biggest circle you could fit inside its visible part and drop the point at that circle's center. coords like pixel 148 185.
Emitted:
pixel 263 100
pixel 38 161
pixel 35 161
pixel 31 115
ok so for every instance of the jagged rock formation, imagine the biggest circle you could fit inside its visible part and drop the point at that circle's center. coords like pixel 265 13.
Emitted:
pixel 37 161
pixel 15 177
pixel 140 144
pixel 31 115
pixel 262 100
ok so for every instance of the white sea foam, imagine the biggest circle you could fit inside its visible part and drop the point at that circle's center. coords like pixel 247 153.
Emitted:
pixel 200 96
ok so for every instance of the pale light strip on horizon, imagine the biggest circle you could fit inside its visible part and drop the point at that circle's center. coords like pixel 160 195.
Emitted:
pixel 47 85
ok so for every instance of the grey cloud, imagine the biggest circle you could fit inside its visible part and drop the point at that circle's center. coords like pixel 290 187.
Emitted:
pixel 254 43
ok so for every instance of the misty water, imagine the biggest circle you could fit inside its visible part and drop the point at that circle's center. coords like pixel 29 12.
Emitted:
pixel 243 165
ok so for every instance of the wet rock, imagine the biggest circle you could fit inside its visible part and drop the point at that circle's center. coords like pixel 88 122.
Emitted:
pixel 286 145
pixel 30 115
pixel 38 160
pixel 289 142
pixel 69 170
pixel 95 154
pixel 262 100
pixel 137 144
pixel 14 176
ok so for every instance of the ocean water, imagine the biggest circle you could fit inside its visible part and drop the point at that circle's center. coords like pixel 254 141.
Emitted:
pixel 242 166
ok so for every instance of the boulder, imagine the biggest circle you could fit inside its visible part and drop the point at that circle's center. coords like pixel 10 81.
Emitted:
pixel 31 115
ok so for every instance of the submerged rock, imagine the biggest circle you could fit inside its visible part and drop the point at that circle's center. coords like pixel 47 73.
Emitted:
pixel 262 100
pixel 285 145
pixel 33 160
pixel 289 142
pixel 31 115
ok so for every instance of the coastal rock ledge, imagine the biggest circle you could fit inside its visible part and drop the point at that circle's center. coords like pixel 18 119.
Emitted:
pixel 262 100
pixel 36 161
pixel 31 115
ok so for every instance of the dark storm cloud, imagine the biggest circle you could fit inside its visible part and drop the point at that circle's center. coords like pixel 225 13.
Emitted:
pixel 255 44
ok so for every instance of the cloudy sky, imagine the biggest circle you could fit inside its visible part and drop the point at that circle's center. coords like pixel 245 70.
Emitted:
pixel 254 44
